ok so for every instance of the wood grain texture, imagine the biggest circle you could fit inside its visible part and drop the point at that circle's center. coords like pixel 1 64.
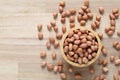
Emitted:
pixel 20 47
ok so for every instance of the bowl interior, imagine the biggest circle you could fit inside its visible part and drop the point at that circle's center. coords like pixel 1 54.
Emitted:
pixel 76 64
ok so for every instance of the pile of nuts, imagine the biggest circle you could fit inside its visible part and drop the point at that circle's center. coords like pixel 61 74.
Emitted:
pixel 79 42
pixel 80 46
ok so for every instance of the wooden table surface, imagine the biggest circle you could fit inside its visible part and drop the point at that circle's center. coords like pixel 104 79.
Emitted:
pixel 20 47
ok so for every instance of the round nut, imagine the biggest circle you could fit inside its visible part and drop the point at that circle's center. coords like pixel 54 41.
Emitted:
pixel 48 45
pixel 54 56
pixel 118 33
pixel 101 10
pixel 58 35
pixel 55 15
pixel 82 22
pixel 62 4
pixel 51 40
pixel 63 29
pixel 39 27
pixel 40 35
pixel 43 54
pixel 86 3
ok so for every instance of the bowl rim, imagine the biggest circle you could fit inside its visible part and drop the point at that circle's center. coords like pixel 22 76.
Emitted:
pixel 76 64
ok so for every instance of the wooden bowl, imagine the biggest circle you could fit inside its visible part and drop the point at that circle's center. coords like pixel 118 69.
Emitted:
pixel 77 64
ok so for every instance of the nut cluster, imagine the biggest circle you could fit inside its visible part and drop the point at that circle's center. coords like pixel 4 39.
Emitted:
pixel 80 46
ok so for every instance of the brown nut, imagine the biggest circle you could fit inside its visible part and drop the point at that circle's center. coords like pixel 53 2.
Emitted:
pixel 85 60
pixel 55 29
pixel 105 62
pixel 72 19
pixel 83 8
pixel 53 23
pixel 91 70
pixel 43 64
pixel 72 11
pixel 112 58
pixel 60 69
pixel 63 15
pixel 49 27
pixel 77 76
pixel 79 17
pixel 63 29
pixel 72 25
pixel 48 45
pixel 110 33
pixel 85 17
pixel 118 32
pixel 62 4
pixel 63 20
pixel 58 35
pixel 40 35
pixel 104 51
pixel 102 77
pixel 118 47
pixel 81 12
pixel 101 10
pixel 111 16
pixel 97 23
pixel 63 76
pixel 98 17
pixel 50 67
pixel 51 40
pixel 86 3
pixel 119 70
pixel 82 22
pixel 115 77
pixel 105 69
pixel 100 35
pixel 60 63
pixel 116 15
pixel 55 69
pixel 43 54
pixel 68 13
pixel 117 62
pixel 112 22
pixel 90 15
pixel 93 25
pixel 70 69
pixel 54 56
pixel 115 43
pixel 61 9
pixel 115 10
pixel 39 27
pixel 56 44
pixel 55 15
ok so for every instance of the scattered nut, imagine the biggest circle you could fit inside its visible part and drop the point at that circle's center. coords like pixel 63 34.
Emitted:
pixel 112 58
pixel 50 67
pixel 40 35
pixel 48 45
pixel 51 40
pixel 101 10
pixel 118 33
pixel 105 69
pixel 115 77
pixel 43 64
pixel 62 3
pixel 39 27
pixel 63 76
pixel 55 15
pixel 77 76
pixel 43 54
pixel 117 62
pixel 63 29
pixel 58 35
pixel 54 56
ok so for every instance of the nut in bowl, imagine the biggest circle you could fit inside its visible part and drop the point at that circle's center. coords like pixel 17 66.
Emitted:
pixel 80 46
